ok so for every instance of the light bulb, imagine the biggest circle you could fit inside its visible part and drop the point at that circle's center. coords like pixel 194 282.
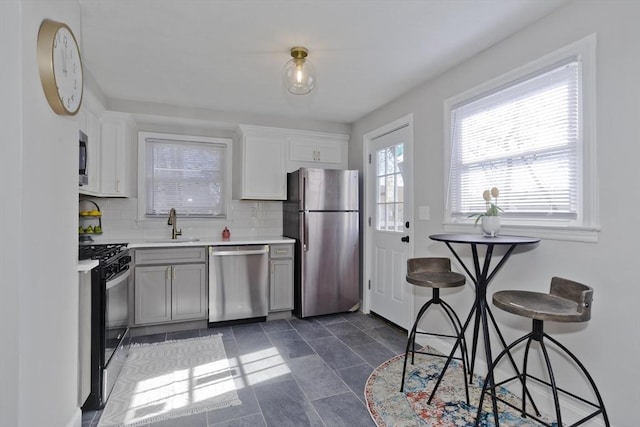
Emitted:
pixel 299 74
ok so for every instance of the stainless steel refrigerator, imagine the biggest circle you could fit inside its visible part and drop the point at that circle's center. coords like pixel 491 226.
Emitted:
pixel 321 214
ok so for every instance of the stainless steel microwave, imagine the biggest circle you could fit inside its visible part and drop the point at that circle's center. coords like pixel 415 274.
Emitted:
pixel 82 171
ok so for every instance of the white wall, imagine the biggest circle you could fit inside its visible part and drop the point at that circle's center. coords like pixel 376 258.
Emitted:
pixel 10 205
pixel 245 219
pixel 39 222
pixel 608 344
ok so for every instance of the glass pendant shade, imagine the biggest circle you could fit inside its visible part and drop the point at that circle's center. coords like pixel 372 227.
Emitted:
pixel 299 75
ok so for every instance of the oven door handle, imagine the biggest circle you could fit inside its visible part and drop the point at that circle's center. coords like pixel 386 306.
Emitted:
pixel 118 279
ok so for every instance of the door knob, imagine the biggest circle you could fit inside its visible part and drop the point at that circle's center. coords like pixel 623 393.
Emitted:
pixel 405 239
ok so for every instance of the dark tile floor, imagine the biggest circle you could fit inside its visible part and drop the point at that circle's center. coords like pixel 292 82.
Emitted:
pixel 295 372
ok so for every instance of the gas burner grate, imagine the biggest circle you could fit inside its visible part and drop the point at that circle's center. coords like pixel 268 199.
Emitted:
pixel 100 252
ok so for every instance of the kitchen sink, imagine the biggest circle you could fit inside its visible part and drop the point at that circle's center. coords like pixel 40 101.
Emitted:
pixel 178 240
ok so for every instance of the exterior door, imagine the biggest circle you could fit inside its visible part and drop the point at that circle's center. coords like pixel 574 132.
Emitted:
pixel 390 210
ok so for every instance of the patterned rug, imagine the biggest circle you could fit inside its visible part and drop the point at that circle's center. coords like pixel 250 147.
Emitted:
pixel 170 379
pixel 391 408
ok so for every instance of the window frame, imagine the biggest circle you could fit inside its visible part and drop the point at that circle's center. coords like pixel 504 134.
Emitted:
pixel 142 169
pixel 587 226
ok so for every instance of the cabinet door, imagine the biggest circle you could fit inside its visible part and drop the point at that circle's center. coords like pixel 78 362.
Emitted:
pixel 152 294
pixel 281 285
pixel 317 151
pixel 262 166
pixel 116 153
pixel 189 292
pixel 329 152
pixel 302 150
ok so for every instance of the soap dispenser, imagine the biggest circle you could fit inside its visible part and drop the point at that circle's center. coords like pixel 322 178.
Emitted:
pixel 226 234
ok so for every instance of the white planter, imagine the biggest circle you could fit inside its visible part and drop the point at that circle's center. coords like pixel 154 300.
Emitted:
pixel 490 225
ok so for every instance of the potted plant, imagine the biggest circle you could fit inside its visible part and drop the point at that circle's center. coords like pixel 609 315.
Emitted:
pixel 491 217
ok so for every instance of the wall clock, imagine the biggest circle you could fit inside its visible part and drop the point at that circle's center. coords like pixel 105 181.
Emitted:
pixel 60 67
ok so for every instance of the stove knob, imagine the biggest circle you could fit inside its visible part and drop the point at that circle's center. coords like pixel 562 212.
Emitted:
pixel 110 270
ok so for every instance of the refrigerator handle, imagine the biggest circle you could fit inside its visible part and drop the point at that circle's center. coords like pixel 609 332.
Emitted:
pixel 303 195
pixel 305 235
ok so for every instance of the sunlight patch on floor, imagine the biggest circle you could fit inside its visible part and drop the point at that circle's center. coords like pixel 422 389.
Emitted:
pixel 259 366
pixel 180 388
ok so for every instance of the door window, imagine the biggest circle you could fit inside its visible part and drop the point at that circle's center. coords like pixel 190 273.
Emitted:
pixel 390 189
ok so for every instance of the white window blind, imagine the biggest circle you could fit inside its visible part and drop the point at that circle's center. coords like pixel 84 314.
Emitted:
pixel 525 139
pixel 187 176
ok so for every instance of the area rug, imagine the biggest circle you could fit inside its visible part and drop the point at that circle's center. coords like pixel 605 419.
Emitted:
pixel 170 379
pixel 391 408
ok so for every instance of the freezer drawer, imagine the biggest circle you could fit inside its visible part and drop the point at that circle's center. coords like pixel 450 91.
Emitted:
pixel 238 282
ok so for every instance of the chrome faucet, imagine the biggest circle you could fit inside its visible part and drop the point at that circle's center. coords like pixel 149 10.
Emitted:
pixel 172 221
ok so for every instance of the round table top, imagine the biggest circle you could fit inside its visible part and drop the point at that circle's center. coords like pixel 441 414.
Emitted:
pixel 484 240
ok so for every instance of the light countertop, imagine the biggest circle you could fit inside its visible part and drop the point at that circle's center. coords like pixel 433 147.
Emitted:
pixel 208 241
pixel 86 265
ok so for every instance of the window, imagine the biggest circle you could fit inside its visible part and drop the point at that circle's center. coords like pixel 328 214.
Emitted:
pixel 390 194
pixel 525 133
pixel 185 173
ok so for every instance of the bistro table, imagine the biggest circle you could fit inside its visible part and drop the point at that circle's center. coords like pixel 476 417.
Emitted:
pixel 482 275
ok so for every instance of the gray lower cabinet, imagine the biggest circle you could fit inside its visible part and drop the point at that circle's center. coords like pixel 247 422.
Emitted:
pixel 281 277
pixel 170 292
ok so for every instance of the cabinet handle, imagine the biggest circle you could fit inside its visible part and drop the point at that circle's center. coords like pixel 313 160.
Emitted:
pixel 173 270
pixel 280 251
pixel 318 155
pixel 168 274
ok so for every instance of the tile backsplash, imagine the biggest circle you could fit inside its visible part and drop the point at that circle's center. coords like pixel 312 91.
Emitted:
pixel 245 219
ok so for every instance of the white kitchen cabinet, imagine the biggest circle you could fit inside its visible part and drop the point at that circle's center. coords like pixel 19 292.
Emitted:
pixel 319 150
pixel 259 164
pixel 170 285
pixel 116 155
pixel 281 277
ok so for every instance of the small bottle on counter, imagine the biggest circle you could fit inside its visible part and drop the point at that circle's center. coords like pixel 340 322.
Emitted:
pixel 226 234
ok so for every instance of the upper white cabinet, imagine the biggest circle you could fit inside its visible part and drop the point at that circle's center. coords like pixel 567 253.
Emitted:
pixel 116 155
pixel 89 124
pixel 259 164
pixel 111 154
pixel 264 155
pixel 319 149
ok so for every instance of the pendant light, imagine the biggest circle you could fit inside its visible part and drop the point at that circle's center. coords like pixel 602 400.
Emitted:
pixel 299 77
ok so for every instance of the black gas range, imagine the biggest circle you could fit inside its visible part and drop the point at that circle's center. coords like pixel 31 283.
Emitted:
pixel 109 317
pixel 101 252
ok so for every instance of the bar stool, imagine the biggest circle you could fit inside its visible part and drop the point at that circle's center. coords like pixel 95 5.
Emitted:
pixel 567 301
pixel 435 273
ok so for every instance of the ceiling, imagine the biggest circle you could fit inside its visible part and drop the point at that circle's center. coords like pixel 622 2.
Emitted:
pixel 228 55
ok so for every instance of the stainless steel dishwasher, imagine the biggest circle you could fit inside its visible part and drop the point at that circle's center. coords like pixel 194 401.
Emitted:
pixel 238 282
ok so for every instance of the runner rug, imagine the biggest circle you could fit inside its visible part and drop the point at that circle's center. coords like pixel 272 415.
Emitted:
pixel 170 379
pixel 391 408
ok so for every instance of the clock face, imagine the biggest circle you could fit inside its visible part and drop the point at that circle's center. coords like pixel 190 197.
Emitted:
pixel 67 70
pixel 60 67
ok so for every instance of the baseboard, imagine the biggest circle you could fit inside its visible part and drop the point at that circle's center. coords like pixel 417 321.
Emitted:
pixel 541 394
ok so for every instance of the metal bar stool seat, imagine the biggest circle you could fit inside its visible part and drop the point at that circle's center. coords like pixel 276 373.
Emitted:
pixel 435 273
pixel 567 301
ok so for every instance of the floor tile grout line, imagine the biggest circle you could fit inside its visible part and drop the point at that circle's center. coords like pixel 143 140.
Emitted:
pixel 290 327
